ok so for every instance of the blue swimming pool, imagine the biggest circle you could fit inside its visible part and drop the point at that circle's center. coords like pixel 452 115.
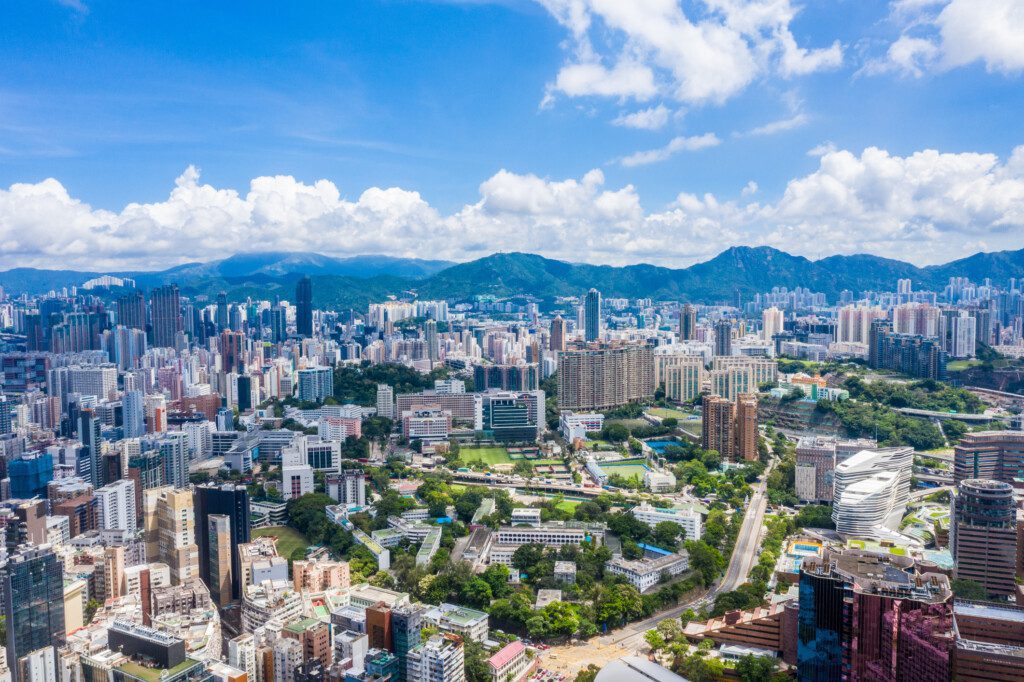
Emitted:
pixel 660 446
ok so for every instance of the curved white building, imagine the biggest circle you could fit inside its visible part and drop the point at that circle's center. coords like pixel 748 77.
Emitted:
pixel 872 486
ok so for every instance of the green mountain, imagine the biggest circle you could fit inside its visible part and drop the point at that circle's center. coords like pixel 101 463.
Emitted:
pixel 740 271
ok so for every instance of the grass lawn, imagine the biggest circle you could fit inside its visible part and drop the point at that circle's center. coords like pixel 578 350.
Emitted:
pixel 961 365
pixel 457 487
pixel 629 423
pixel 666 412
pixel 288 539
pixel 545 462
pixel 568 505
pixel 488 456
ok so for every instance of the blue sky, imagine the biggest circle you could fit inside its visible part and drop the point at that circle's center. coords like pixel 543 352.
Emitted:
pixel 114 101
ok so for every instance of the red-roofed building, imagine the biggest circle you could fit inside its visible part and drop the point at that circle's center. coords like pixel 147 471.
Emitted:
pixel 510 664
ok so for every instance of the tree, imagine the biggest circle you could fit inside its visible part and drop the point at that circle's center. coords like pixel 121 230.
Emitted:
pixel 615 433
pixel 756 668
pixel 477 593
pixel 706 560
pixel 655 640
pixel 815 516
pixel 588 674
pixel 619 604
pixel 968 589
pixel 670 422
pixel 667 535
pixel 476 667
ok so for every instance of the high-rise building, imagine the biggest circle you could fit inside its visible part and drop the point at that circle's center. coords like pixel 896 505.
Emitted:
pixel 232 501
pixel 116 503
pixel 964 336
pixel 430 337
pixel 440 659
pixel 983 535
pixel 170 531
pixel 406 626
pixel 296 474
pixel 592 315
pixel 746 428
pixel 914 355
pixel 845 599
pixel 219 531
pixel 167 320
pixel 133 414
pixel 558 335
pixel 173 448
pixel 352 487
pixel 304 307
pixel 385 401
pixel 773 322
pixel 33 598
pixel 683 376
pixel 688 323
pixel 719 427
pixel 92 447
pixel 996 455
pixel 222 320
pixel 315 384
pixel 131 310
pixel 723 338
pixel 603 378
pixel 378 626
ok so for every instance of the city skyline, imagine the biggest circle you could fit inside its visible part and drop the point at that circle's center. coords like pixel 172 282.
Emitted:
pixel 815 129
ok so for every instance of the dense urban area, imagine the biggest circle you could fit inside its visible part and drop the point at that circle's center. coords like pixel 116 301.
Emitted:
pixel 784 485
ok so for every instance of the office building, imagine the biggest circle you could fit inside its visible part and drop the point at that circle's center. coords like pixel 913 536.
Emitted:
pixel 983 535
pixel 723 338
pixel 879 489
pixel 406 626
pixel 231 501
pixel 988 642
pixel 165 306
pixel 219 531
pixel 592 316
pixel 845 598
pixel 33 598
pixel 378 626
pixel 995 455
pixel 513 417
pixel 29 474
pixel 385 401
pixel 604 378
pixel 688 323
pixel 304 307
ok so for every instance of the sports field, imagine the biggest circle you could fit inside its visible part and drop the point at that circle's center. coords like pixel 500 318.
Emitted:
pixel 288 539
pixel 489 456
pixel 666 412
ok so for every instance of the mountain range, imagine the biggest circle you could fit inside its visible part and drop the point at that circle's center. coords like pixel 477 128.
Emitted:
pixel 355 281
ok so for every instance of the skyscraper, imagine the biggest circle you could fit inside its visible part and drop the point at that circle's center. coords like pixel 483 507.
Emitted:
pixel 134 414
pixel 92 447
pixel 557 342
pixel 983 535
pixel 719 427
pixel 219 531
pixel 430 336
pixel 222 321
pixel 603 378
pixel 688 323
pixel 304 307
pixel 385 401
pixel 131 310
pixel 772 323
pixel 746 428
pixel 592 315
pixel 33 594
pixel 406 625
pixel 167 319
pixel 231 501
pixel 170 531
pixel 723 337
pixel 997 455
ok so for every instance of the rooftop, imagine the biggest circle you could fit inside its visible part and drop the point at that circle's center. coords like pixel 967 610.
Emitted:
pixel 506 654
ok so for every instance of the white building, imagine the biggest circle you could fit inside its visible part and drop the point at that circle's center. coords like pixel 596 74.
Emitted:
pixel 116 502
pixel 287 657
pixel 572 425
pixel 659 481
pixel 965 336
pixel 296 474
pixel 644 574
pixel 440 659
pixel 459 620
pixel 315 384
pixel 526 516
pixel 689 519
pixel 385 401
pixel 430 426
pixel 865 466
pixel 348 487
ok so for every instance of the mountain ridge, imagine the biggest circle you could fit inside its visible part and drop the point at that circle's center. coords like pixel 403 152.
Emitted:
pixel 737 271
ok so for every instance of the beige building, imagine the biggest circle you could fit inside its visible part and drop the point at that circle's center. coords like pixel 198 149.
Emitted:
pixel 602 377
pixel 170 531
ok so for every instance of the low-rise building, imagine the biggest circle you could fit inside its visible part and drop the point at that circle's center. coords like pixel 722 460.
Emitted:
pixel 646 573
pixel 459 620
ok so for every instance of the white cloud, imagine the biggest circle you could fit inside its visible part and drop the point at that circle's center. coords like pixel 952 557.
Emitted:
pixel 940 35
pixel 706 54
pixel 653 118
pixel 927 207
pixel 781 125
pixel 676 145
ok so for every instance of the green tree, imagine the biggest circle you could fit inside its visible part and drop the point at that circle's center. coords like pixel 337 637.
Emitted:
pixel 968 589
pixel 619 604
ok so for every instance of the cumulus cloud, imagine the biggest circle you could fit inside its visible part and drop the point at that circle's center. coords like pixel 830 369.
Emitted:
pixel 652 118
pixel 928 207
pixel 708 53
pixel 676 145
pixel 939 35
